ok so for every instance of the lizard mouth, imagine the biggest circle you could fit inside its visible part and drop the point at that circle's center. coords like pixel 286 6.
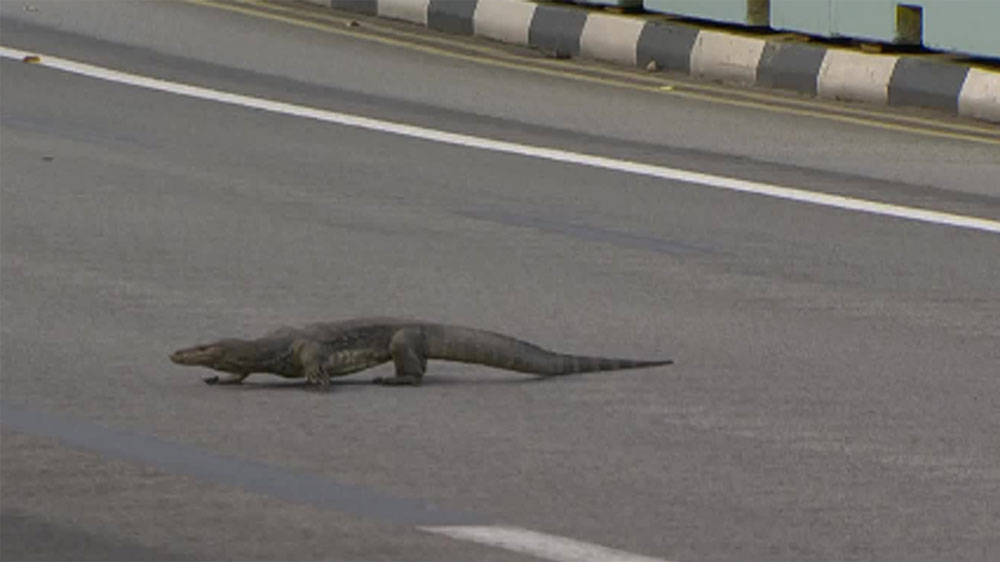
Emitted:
pixel 188 356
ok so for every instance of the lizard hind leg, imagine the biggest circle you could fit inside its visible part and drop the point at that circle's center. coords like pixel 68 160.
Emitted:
pixel 407 349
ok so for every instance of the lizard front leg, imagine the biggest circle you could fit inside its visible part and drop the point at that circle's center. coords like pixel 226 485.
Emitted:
pixel 318 378
pixel 230 378
pixel 312 357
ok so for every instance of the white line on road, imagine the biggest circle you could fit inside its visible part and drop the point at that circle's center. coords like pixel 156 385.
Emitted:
pixel 549 547
pixel 557 155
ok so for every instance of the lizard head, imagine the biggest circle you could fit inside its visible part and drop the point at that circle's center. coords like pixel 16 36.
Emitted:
pixel 222 355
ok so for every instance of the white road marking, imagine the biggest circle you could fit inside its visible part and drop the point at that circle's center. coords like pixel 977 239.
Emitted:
pixel 557 155
pixel 549 547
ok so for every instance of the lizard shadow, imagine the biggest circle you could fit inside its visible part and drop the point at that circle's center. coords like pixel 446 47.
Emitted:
pixel 357 384
pixel 495 381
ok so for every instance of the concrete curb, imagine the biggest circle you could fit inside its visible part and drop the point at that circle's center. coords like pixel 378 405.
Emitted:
pixel 815 70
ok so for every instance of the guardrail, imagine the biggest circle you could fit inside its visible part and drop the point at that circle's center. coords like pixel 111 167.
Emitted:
pixel 959 26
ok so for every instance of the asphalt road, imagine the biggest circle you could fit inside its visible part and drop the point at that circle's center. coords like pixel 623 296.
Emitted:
pixel 837 385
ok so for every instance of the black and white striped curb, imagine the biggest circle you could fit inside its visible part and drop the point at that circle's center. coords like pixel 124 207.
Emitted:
pixel 825 72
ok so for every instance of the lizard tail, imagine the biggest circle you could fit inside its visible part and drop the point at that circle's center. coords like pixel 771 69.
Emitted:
pixel 467 345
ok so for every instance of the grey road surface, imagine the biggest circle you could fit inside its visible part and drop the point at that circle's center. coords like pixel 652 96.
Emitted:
pixel 837 385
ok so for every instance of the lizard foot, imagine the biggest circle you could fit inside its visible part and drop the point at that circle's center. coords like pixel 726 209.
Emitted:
pixel 229 379
pixel 317 379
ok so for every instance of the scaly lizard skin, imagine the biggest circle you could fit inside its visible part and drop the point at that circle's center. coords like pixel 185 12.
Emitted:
pixel 321 351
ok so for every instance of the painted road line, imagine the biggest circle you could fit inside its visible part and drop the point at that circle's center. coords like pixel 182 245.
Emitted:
pixel 299 487
pixel 549 547
pixel 544 153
